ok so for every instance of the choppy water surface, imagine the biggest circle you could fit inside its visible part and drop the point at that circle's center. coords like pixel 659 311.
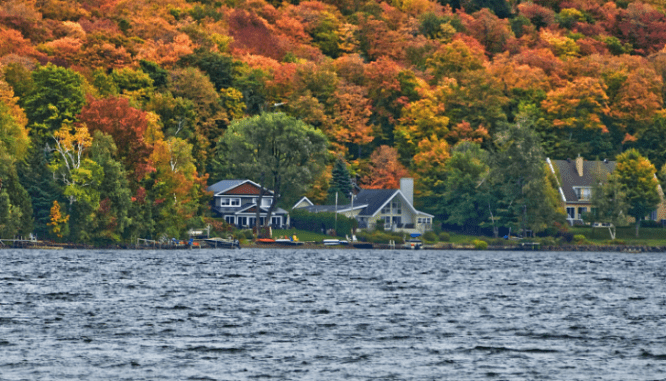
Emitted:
pixel 331 315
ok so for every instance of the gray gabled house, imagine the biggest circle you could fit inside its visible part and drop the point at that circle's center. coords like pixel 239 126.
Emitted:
pixel 395 207
pixel 236 202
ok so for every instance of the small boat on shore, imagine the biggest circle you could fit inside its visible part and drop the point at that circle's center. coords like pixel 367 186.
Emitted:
pixel 287 242
pixel 221 243
pixel 335 242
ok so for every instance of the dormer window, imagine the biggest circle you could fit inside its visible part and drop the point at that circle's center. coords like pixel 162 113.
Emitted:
pixel 583 193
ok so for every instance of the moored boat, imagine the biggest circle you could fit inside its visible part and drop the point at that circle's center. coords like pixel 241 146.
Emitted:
pixel 287 242
pixel 413 244
pixel 335 242
pixel 221 243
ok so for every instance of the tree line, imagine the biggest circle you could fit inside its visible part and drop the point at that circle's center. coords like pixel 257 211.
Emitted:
pixel 116 115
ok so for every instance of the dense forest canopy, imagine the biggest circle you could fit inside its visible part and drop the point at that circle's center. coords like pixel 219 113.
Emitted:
pixel 112 111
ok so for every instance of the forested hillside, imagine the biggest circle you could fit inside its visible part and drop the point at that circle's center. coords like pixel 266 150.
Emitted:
pixel 112 111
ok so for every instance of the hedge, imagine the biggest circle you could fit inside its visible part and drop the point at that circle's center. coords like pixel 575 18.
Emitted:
pixel 313 222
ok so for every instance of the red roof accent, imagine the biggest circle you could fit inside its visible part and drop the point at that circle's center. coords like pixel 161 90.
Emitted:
pixel 244 189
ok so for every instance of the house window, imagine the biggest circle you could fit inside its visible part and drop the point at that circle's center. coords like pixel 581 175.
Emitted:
pixel 276 221
pixel 423 220
pixel 386 209
pixel 653 215
pixel 571 213
pixel 581 211
pixel 265 202
pixel 583 193
pixel 387 220
pixel 229 201
pixel 397 207
pixel 242 221
pixel 230 219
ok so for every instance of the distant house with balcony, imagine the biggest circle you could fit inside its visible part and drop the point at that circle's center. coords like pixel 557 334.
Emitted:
pixel 394 208
pixel 236 202
pixel 577 178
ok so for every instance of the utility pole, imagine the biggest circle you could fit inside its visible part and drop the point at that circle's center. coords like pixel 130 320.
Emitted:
pixel 336 213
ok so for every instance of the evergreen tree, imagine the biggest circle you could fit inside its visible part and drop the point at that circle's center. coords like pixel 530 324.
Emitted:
pixel 37 180
pixel 340 182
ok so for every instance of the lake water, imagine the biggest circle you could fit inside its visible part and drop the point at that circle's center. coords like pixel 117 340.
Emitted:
pixel 331 315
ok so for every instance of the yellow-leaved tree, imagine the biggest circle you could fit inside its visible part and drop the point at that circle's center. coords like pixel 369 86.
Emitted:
pixel 59 221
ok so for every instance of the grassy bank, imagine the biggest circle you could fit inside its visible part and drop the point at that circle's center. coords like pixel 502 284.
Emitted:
pixel 647 235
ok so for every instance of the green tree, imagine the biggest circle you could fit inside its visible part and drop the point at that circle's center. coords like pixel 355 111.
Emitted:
pixel 220 68
pixel 637 177
pixel 275 150
pixel 57 96
pixel 464 203
pixel 37 179
pixel 609 203
pixel 111 218
pixel 651 142
pixel 340 182
pixel 19 78
pixel 528 198
pixel 156 73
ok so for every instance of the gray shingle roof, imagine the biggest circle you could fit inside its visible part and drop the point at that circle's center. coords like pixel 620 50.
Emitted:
pixel 375 198
pixel 591 171
pixel 330 208
pixel 223 185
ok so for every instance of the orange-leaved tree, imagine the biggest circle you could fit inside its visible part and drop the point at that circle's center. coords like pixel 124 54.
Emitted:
pixel 58 221
pixel 384 170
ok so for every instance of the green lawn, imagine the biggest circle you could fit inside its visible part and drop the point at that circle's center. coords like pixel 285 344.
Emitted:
pixel 646 236
pixel 649 236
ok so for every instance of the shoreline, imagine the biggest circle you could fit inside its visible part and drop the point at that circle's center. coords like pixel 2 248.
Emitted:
pixel 45 245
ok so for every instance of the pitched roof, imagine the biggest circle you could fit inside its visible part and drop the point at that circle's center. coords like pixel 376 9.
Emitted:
pixel 224 185
pixel 303 199
pixel 374 198
pixel 591 171
pixel 369 200
pixel 236 187
pixel 333 208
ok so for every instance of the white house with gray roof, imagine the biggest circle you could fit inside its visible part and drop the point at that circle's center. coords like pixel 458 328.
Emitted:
pixel 395 207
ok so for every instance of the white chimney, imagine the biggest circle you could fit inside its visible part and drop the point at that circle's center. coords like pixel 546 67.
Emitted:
pixel 407 188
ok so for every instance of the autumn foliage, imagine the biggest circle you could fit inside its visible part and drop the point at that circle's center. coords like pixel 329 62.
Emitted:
pixel 393 85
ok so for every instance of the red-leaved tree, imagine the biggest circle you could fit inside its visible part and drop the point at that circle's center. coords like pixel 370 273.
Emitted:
pixel 126 125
